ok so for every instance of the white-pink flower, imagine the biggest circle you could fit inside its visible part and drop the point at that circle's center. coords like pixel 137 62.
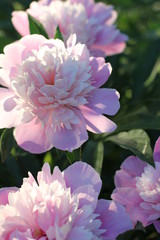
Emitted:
pixel 138 189
pixel 51 93
pixel 61 206
pixel 93 23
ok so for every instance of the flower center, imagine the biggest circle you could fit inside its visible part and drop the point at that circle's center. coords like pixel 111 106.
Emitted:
pixel 51 83
pixel 37 233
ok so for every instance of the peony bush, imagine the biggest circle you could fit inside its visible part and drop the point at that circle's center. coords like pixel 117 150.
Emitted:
pixel 58 110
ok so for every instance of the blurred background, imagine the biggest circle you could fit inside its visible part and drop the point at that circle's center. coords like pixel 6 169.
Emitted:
pixel 136 75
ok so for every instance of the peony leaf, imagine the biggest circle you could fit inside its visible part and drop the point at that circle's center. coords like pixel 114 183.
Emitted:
pixel 142 114
pixel 36 27
pixel 93 154
pixel 136 141
pixel 73 156
pixel 137 233
pixel 6 143
pixel 58 34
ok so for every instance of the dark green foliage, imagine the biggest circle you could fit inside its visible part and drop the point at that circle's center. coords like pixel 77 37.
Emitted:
pixel 36 27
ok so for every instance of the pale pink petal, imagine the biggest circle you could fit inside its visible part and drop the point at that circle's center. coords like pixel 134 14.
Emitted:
pixel 115 48
pixel 102 12
pixel 20 22
pixel 114 219
pixel 31 43
pixel 46 176
pixel 83 174
pixel 8 60
pixel 96 122
pixel 156 154
pixel 130 168
pixel 10 115
pixel 79 233
pixel 87 195
pixel 134 166
pixel 32 137
pixel 4 192
pixel 125 196
pixel 68 139
pixel 100 70
pixel 104 101
pixel 4 78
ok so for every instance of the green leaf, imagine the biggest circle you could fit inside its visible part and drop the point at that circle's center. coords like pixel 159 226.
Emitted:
pixel 48 158
pixel 73 156
pixel 58 34
pixel 144 114
pixel 36 27
pixel 137 233
pixel 93 154
pixel 6 143
pixel 136 141
pixel 145 66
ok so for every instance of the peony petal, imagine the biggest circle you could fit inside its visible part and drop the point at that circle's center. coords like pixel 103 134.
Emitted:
pixel 10 116
pixel 68 139
pixel 4 192
pixel 104 101
pixel 125 196
pixel 8 60
pixel 79 233
pixel 20 22
pixel 156 154
pixel 131 168
pixel 114 218
pixel 31 137
pixel 134 166
pixel 100 71
pixel 46 176
pixel 31 42
pixel 96 122
pixel 83 174
pixel 157 225
pixel 4 78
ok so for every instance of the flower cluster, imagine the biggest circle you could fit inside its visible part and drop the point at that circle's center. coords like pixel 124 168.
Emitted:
pixel 51 94
pixel 93 23
pixel 138 189
pixel 62 205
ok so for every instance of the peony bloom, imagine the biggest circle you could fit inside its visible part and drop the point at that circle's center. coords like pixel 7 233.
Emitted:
pixel 51 93
pixel 62 205
pixel 138 189
pixel 93 23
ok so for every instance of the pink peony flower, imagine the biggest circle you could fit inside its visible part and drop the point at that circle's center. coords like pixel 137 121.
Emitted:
pixel 138 189
pixel 52 94
pixel 62 205
pixel 92 22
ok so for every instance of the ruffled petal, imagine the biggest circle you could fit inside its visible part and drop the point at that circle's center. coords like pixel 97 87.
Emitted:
pixel 68 139
pixel 83 175
pixel 4 192
pixel 100 71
